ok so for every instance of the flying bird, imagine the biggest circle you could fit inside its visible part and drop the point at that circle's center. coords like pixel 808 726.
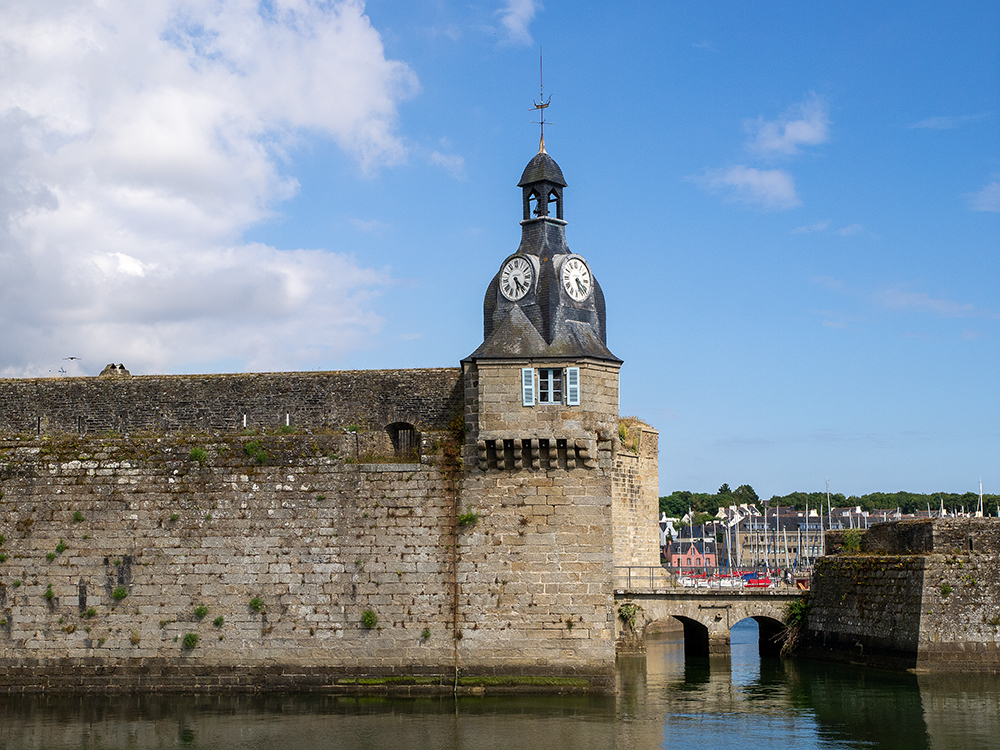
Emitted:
pixel 71 358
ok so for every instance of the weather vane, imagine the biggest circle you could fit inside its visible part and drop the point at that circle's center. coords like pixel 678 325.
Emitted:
pixel 541 104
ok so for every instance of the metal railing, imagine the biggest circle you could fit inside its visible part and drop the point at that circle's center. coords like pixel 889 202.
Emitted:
pixel 632 577
pixel 644 577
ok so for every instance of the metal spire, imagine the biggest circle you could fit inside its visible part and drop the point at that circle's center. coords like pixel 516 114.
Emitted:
pixel 541 105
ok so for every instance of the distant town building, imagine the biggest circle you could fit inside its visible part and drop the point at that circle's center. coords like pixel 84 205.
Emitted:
pixel 745 537
pixel 692 553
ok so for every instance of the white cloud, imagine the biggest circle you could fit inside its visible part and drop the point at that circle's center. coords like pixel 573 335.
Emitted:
pixel 516 16
pixel 819 226
pixel 768 188
pixel 898 298
pixel 453 164
pixel 945 123
pixel 138 141
pixel 369 226
pixel 987 199
pixel 112 263
pixel 804 124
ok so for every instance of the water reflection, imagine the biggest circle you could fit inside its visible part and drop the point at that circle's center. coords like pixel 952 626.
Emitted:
pixel 664 701
pixel 744 701
pixel 305 722
pixel 961 710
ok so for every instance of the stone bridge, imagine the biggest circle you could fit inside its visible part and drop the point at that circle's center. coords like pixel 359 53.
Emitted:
pixel 707 616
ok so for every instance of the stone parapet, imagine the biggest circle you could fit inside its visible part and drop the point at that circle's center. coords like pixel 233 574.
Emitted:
pixel 426 398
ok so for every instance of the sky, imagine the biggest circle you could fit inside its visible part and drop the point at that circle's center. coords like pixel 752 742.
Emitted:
pixel 793 208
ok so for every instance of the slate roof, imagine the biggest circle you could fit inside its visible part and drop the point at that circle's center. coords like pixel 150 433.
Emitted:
pixel 542 168
pixel 545 322
pixel 516 337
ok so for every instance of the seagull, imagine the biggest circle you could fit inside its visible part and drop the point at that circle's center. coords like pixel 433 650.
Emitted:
pixel 71 358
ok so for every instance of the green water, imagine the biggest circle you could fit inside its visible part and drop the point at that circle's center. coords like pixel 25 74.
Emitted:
pixel 663 701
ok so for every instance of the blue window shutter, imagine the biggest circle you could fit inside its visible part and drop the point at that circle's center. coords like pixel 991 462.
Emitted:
pixel 527 386
pixel 572 386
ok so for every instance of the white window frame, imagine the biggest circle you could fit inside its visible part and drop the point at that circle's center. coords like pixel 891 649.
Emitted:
pixel 531 390
pixel 550 382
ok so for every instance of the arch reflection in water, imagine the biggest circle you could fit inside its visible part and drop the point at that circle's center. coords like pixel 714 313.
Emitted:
pixel 747 701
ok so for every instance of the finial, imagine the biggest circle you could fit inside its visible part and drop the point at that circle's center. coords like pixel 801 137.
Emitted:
pixel 541 105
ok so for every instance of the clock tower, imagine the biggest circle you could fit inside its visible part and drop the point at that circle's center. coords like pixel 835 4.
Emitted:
pixel 544 346
pixel 542 453
pixel 544 300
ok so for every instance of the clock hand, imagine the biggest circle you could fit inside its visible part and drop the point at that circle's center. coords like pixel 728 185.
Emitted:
pixel 580 286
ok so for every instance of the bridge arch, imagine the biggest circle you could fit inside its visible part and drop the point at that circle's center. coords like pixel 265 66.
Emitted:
pixel 706 616
pixel 768 635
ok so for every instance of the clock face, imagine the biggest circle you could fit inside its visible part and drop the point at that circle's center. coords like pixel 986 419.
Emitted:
pixel 515 278
pixel 576 279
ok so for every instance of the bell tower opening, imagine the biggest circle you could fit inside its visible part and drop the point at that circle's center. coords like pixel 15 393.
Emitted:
pixel 536 206
pixel 539 201
pixel 555 196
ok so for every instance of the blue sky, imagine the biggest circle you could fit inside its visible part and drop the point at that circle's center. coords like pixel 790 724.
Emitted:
pixel 793 208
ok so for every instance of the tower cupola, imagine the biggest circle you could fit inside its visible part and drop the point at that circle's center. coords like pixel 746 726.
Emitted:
pixel 544 301
pixel 542 186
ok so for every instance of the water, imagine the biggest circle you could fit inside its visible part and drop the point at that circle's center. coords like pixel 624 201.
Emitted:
pixel 663 702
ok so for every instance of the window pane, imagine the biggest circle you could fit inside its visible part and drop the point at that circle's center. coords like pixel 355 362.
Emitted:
pixel 550 388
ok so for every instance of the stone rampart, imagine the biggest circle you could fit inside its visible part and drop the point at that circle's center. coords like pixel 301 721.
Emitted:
pixel 427 398
pixel 112 546
pixel 913 594
pixel 635 500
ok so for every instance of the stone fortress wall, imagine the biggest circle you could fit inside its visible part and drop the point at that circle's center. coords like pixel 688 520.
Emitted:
pixel 112 545
pixel 113 538
pixel 635 490
pixel 916 594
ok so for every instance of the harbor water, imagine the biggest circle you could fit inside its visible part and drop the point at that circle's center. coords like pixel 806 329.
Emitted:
pixel 663 701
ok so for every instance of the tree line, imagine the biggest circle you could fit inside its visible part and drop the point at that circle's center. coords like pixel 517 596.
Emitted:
pixel 679 502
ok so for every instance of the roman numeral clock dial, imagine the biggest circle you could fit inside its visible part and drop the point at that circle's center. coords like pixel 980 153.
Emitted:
pixel 516 278
pixel 576 279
